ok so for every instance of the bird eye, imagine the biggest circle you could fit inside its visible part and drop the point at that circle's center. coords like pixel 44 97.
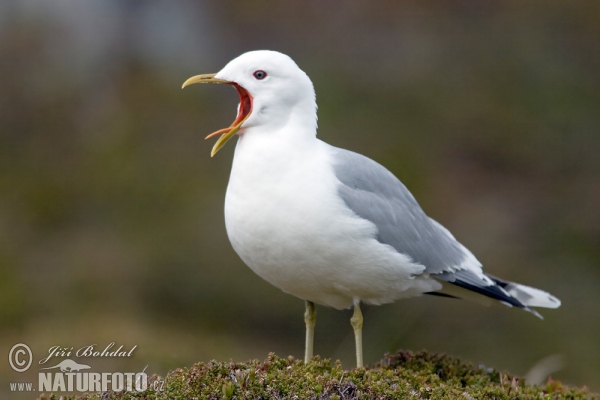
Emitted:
pixel 260 74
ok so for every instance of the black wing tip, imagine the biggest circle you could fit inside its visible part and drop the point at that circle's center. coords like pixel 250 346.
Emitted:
pixel 493 291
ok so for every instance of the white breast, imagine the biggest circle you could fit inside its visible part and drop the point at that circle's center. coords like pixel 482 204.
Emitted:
pixel 287 223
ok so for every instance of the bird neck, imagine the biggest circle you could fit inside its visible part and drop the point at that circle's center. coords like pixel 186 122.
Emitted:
pixel 302 120
pixel 296 126
pixel 293 114
pixel 277 143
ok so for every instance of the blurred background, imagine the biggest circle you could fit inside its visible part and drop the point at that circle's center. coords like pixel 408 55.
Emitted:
pixel 111 209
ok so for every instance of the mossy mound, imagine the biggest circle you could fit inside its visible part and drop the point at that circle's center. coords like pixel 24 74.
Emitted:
pixel 404 375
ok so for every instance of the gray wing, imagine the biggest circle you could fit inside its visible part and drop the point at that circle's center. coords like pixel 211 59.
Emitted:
pixel 375 194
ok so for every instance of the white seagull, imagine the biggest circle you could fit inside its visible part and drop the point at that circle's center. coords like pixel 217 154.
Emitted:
pixel 328 225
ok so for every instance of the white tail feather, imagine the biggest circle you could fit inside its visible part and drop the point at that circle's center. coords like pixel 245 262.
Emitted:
pixel 532 297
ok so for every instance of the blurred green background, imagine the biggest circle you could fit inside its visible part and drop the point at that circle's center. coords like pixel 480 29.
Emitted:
pixel 111 209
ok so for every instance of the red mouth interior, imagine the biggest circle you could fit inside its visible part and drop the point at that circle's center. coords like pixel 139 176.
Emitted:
pixel 245 107
pixel 244 110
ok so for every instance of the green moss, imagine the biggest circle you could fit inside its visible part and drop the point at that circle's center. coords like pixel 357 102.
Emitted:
pixel 405 375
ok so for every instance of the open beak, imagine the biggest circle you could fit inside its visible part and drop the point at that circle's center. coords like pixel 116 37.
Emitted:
pixel 244 109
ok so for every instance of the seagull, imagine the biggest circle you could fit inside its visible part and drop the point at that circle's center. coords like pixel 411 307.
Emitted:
pixel 328 225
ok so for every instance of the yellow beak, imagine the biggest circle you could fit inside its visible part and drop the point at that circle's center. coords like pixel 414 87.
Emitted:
pixel 244 111
pixel 206 78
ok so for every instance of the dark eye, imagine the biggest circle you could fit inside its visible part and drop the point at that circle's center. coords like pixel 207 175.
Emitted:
pixel 260 74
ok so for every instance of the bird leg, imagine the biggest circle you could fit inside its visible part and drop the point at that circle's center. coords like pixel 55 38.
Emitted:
pixel 357 323
pixel 310 319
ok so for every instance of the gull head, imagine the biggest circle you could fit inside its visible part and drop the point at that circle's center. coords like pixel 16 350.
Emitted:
pixel 273 90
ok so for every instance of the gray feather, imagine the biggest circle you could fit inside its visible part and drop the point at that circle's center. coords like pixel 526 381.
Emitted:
pixel 375 194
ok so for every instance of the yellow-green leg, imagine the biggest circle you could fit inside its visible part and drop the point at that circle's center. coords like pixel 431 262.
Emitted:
pixel 310 319
pixel 357 323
